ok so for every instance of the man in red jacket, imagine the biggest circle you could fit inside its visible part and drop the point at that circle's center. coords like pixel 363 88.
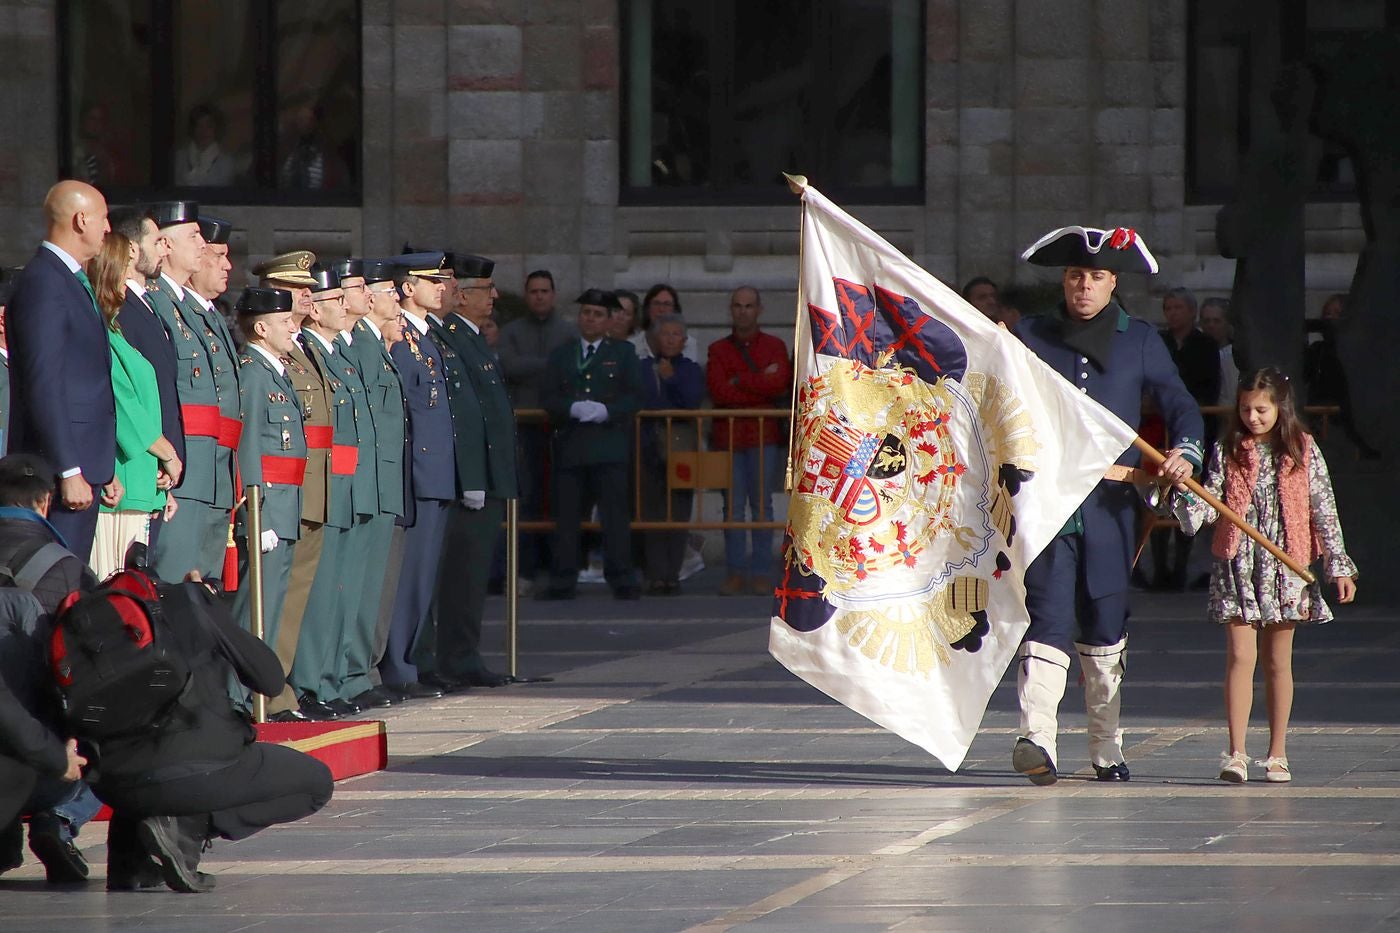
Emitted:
pixel 750 369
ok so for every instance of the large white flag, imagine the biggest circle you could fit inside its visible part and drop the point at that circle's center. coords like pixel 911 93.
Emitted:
pixel 934 457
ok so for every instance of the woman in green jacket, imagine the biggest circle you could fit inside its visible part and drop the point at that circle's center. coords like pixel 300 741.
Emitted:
pixel 146 465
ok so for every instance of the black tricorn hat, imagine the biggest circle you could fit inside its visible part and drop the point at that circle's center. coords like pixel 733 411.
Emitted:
pixel 214 229
pixel 326 279
pixel 1117 250
pixel 349 268
pixel 263 301
pixel 170 213
pixel 472 267
pixel 376 270
pixel 597 296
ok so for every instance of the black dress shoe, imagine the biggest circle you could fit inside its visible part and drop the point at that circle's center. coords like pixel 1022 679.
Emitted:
pixel 290 715
pixel 63 863
pixel 487 678
pixel 414 690
pixel 1034 762
pixel 344 707
pixel 374 698
pixel 444 683
pixel 1118 772
pixel 315 709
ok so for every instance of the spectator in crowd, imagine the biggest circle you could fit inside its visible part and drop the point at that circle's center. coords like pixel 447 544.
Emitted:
pixel 7 287
pixel 750 369
pixel 310 163
pixel 202 160
pixel 1013 304
pixel 623 323
pixel 62 406
pixel 670 381
pixel 982 293
pixel 1197 359
pixel 491 333
pixel 1324 374
pixel 661 301
pixel 147 465
pixel 524 349
pixel 594 393
pixel 1215 324
pixel 31 735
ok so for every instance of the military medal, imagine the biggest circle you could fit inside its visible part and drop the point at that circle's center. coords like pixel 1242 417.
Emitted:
pixel 286 439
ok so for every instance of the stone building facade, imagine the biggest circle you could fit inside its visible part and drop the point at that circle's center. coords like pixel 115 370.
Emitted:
pixel 492 126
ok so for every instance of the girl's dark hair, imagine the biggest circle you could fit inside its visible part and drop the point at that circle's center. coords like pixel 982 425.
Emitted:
pixel 1292 432
pixel 652 292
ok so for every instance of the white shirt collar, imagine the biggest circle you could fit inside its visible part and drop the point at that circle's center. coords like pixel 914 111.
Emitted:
pixel 330 347
pixel 268 355
pixel 138 287
pixel 179 289
pixel 418 323
pixel 349 337
pixel 373 329
pixel 72 264
pixel 208 305
pixel 467 321
pixel 5 352
pixel 595 344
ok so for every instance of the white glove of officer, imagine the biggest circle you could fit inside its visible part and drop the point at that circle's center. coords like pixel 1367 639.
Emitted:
pixel 579 411
pixel 474 499
pixel 598 413
pixel 269 540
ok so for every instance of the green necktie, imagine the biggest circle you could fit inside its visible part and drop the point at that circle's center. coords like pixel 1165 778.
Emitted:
pixel 82 277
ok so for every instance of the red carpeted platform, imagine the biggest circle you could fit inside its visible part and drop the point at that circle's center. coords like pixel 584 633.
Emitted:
pixel 347 748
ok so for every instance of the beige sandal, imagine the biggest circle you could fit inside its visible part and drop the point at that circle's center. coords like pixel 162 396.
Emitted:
pixel 1276 770
pixel 1234 767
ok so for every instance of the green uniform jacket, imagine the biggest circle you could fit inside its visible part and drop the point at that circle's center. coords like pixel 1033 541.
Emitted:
pixel 272 427
pixel 494 469
pixel 386 408
pixel 195 385
pixel 325 499
pixel 341 502
pixel 364 495
pixel 138 427
pixel 612 377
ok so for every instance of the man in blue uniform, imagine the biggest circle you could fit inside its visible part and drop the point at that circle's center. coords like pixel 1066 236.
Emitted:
pixel 1077 589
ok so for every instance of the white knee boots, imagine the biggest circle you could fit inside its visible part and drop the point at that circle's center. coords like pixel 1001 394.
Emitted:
pixel 1040 685
pixel 1103 677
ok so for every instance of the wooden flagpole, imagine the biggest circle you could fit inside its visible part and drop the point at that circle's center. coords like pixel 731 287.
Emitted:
pixel 796 184
pixel 1156 457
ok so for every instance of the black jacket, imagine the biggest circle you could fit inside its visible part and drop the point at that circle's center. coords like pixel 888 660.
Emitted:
pixel 204 732
pixel 26 710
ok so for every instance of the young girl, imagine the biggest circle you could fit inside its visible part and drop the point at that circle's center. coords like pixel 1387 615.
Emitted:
pixel 1271 473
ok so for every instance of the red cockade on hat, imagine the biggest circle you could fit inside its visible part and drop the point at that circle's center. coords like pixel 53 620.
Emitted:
pixel 1122 237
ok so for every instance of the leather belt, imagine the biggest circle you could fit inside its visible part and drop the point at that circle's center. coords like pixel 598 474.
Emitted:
pixel 289 471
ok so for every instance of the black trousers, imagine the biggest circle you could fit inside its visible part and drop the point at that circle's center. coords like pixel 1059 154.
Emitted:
pixel 577 488
pixel 467 553
pixel 17 781
pixel 265 785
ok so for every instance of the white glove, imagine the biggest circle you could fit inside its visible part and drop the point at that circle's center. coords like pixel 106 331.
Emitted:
pixel 598 413
pixel 579 411
pixel 269 540
pixel 474 499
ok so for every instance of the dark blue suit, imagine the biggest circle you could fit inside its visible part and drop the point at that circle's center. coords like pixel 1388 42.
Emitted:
pixel 144 331
pixel 61 402
pixel 432 474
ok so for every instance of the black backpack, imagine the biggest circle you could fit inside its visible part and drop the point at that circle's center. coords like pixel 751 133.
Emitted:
pixel 114 660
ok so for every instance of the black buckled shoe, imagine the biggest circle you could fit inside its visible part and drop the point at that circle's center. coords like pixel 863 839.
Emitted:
pixel 344 707
pixel 1034 762
pixel 1118 772
pixel 316 710
pixel 63 863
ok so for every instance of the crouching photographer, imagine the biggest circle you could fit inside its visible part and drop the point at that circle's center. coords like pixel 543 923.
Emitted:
pixel 174 759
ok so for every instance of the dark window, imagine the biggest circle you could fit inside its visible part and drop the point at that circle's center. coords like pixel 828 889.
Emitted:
pixel 243 102
pixel 723 96
pixel 1223 60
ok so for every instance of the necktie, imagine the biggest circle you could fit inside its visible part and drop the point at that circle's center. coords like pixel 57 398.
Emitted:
pixel 589 355
pixel 82 277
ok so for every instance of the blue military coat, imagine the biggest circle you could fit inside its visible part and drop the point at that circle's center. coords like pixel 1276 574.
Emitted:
pixel 1137 362
pixel 431 465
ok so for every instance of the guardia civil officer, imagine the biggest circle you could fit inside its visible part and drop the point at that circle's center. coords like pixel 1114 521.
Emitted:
pixel 430 469
pixel 196 537
pixel 272 450
pixel 485 457
pixel 379 487
pixel 323 500
pixel 593 392
pixel 1077 589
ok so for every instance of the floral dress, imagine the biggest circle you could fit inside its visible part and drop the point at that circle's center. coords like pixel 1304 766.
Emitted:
pixel 1254 585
